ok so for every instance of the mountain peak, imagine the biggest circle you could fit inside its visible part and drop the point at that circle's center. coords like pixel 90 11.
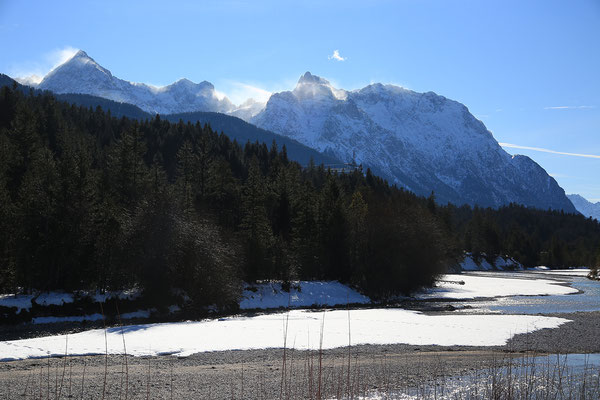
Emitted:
pixel 82 58
pixel 80 54
pixel 584 206
pixel 418 141
pixel 183 82
pixel 312 86
pixel 309 78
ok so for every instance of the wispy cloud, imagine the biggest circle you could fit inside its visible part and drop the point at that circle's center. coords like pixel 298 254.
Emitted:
pixel 516 146
pixel 336 56
pixel 569 107
pixel 34 71
pixel 239 92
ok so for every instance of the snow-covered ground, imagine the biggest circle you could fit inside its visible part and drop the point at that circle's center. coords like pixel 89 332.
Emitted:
pixel 500 263
pixel 469 264
pixel 464 286
pixel 301 294
pixel 25 301
pixel 375 326
pixel 18 301
pixel 564 272
pixel 367 326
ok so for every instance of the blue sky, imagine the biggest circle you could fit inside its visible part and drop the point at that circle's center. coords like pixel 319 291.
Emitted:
pixel 530 70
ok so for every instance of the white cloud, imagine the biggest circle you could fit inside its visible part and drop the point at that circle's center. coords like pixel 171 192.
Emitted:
pixel 60 56
pixel 336 56
pixel 220 95
pixel 34 71
pixel 516 146
pixel 29 80
pixel 569 107
pixel 239 92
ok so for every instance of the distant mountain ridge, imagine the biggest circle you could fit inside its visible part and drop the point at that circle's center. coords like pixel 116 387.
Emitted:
pixel 421 141
pixel 83 75
pixel 235 128
pixel 585 207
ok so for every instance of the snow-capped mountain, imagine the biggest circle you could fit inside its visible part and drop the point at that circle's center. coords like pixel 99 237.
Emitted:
pixel 81 74
pixel 421 141
pixel 585 207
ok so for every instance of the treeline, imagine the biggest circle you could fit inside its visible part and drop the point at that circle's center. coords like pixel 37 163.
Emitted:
pixel 534 237
pixel 91 201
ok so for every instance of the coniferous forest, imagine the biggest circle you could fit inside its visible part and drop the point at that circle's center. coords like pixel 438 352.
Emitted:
pixel 89 201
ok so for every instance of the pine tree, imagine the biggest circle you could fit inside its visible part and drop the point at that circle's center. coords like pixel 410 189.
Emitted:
pixel 357 223
pixel 38 264
pixel 255 224
pixel 305 234
pixel 187 161
pixel 126 167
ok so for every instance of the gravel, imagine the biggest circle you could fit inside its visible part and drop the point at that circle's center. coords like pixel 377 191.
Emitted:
pixel 259 374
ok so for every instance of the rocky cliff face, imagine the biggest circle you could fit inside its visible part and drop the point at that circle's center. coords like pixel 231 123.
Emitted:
pixel 421 141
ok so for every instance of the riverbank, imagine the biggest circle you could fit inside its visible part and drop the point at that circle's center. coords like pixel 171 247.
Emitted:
pixel 254 374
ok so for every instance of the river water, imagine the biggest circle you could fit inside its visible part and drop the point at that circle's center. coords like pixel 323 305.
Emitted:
pixel 587 300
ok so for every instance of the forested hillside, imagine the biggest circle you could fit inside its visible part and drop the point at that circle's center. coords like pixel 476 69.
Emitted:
pixel 91 201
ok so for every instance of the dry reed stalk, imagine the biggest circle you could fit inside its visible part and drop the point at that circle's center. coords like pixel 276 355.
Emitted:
pixel 27 384
pixel 148 381
pixel 171 386
pixel 56 380
pixel 105 352
pixel 319 394
pixel 285 330
pixel 62 379
pixel 83 380
pixel 48 392
pixel 41 378
pixel 124 355
pixel 242 381
pixel 349 347
pixel 70 376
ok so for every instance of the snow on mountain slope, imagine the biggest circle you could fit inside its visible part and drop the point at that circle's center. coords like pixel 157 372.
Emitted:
pixel 81 74
pixel 585 207
pixel 248 109
pixel 421 141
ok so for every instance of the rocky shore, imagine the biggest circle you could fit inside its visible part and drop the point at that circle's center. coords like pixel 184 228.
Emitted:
pixel 273 373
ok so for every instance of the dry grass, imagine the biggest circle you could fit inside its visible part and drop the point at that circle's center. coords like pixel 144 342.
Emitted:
pixel 315 375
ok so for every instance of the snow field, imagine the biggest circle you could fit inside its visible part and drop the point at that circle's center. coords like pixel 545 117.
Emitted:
pixel 301 294
pixel 24 301
pixel 375 326
pixel 565 272
pixel 500 263
pixel 461 286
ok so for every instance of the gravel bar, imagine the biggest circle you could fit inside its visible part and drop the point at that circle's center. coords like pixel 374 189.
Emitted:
pixel 261 374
